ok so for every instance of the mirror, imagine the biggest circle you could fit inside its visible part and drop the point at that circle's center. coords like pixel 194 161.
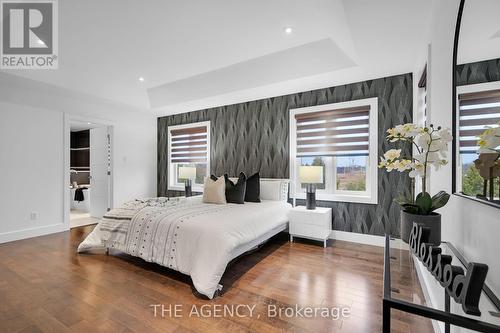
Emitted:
pixel 476 151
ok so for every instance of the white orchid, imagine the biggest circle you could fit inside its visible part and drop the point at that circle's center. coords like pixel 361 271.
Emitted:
pixel 403 165
pixel 401 132
pixel 389 167
pixel 445 134
pixel 431 149
pixel 422 140
pixel 400 165
pixel 433 157
pixel 392 154
pixel 489 140
pixel 417 170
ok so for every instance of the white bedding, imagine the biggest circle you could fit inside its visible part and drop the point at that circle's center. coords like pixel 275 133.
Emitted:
pixel 187 235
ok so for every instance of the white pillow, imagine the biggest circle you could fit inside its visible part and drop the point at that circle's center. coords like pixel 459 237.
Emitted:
pixel 274 189
pixel 214 191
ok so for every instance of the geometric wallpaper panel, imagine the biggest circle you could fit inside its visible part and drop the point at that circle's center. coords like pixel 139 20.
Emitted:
pixel 253 136
pixel 478 72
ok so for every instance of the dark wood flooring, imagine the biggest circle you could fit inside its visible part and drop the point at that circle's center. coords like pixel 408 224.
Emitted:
pixel 45 286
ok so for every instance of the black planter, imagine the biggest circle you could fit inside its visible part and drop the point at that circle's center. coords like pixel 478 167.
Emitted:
pixel 432 221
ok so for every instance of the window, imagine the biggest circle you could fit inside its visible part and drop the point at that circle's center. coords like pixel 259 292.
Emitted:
pixel 188 145
pixel 341 137
pixel 479 109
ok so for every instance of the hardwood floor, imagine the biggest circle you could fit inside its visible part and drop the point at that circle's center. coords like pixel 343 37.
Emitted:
pixel 46 287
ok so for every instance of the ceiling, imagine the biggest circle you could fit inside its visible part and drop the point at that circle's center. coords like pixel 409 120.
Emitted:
pixel 479 31
pixel 190 52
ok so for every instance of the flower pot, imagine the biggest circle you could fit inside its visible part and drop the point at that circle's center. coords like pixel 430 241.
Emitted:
pixel 432 221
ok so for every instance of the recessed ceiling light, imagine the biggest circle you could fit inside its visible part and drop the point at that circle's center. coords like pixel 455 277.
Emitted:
pixel 288 30
pixel 141 79
pixel 89 123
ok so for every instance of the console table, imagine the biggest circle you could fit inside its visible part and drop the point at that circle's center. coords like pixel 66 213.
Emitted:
pixel 396 257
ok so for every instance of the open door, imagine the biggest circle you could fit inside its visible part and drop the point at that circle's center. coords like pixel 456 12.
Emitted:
pixel 100 171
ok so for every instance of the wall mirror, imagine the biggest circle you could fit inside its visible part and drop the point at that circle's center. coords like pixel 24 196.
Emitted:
pixel 476 148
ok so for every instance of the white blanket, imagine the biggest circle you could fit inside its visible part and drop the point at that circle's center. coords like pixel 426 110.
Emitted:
pixel 187 235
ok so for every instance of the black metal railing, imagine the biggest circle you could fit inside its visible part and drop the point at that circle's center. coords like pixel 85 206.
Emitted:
pixel 420 310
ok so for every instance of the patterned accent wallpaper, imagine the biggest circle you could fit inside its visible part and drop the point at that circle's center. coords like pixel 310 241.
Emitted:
pixel 478 72
pixel 253 136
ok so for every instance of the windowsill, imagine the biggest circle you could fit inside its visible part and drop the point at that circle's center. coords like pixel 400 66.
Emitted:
pixel 484 202
pixel 339 198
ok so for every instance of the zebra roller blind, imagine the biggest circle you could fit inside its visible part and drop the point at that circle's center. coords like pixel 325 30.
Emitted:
pixel 478 111
pixel 339 132
pixel 189 144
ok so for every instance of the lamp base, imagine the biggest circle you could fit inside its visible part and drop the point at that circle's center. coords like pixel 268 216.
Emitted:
pixel 188 189
pixel 310 197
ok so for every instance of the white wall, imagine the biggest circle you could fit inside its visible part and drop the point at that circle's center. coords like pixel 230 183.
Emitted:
pixel 472 227
pixel 31 171
pixel 32 121
pixel 439 74
pixel 134 160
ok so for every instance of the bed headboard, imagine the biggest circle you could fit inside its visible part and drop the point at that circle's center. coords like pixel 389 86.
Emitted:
pixel 272 188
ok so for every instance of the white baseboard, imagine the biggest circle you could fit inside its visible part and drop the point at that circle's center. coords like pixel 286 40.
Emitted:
pixel 31 232
pixel 357 238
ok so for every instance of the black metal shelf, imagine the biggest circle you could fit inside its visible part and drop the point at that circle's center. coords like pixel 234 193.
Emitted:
pixel 424 311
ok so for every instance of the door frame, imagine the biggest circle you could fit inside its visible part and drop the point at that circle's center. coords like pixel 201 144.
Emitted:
pixel 67 119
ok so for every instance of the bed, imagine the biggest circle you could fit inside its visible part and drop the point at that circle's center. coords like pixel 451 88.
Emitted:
pixel 187 235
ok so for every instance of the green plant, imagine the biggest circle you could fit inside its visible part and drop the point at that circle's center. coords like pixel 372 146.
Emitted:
pixel 472 182
pixel 356 185
pixel 423 204
pixel 430 145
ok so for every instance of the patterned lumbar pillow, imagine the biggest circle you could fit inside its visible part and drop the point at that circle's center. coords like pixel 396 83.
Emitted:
pixel 214 191
pixel 252 193
pixel 235 193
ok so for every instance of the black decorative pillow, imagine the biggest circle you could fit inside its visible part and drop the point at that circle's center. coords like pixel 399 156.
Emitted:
pixel 252 193
pixel 235 193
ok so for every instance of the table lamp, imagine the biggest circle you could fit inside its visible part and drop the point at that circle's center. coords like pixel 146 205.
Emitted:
pixel 311 175
pixel 187 173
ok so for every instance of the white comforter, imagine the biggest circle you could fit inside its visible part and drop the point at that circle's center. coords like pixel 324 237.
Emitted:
pixel 187 235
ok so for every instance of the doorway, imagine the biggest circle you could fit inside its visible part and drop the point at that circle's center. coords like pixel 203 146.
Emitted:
pixel 90 167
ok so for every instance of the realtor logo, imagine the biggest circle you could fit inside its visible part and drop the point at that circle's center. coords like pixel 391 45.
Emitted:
pixel 29 34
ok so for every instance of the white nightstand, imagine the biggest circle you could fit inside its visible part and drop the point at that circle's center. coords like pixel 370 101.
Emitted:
pixel 312 224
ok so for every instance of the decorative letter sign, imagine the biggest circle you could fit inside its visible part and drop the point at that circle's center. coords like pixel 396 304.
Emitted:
pixel 464 287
